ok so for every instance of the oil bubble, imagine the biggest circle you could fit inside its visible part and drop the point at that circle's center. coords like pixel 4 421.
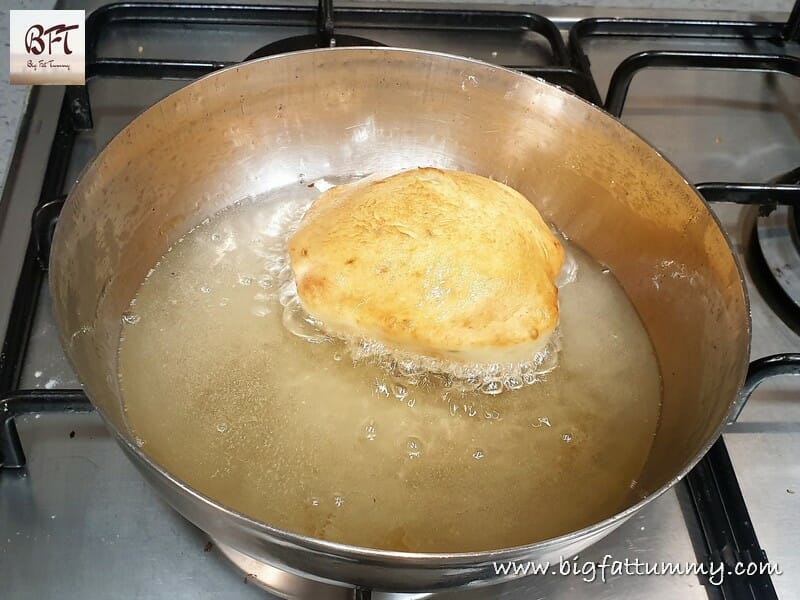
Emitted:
pixel 513 383
pixel 130 318
pixel 413 448
pixel 492 387
pixel 370 430
pixel 400 391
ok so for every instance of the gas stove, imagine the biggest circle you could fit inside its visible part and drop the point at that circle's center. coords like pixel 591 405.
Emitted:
pixel 717 94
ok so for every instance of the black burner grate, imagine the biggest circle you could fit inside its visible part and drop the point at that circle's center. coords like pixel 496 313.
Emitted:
pixel 720 507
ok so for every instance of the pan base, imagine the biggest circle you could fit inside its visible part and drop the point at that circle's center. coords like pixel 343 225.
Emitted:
pixel 288 585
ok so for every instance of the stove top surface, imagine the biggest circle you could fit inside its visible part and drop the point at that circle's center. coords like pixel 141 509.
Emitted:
pixel 80 522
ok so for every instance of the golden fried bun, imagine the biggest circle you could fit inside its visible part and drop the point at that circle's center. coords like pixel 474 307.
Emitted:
pixel 445 264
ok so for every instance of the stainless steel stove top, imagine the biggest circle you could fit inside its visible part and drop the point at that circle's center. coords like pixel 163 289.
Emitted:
pixel 79 522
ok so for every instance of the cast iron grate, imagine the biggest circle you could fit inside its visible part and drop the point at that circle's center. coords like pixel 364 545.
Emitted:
pixel 720 506
pixel 323 19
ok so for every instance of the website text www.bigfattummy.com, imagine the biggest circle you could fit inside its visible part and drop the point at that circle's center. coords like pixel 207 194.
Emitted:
pixel 590 571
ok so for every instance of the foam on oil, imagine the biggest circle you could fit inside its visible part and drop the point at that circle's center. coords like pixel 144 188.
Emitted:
pixel 229 386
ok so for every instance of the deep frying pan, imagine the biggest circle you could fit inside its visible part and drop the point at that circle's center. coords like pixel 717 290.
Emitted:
pixel 264 124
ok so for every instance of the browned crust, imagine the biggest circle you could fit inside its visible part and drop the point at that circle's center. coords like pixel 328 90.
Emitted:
pixel 444 263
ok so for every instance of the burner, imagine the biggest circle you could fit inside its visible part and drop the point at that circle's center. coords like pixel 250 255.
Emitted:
pixel 777 248
pixel 310 41
pixel 323 38
pixel 288 585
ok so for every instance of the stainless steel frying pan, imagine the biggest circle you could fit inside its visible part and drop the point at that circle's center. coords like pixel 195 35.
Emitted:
pixel 264 124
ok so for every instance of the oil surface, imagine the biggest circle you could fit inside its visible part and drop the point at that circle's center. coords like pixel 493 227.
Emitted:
pixel 291 432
